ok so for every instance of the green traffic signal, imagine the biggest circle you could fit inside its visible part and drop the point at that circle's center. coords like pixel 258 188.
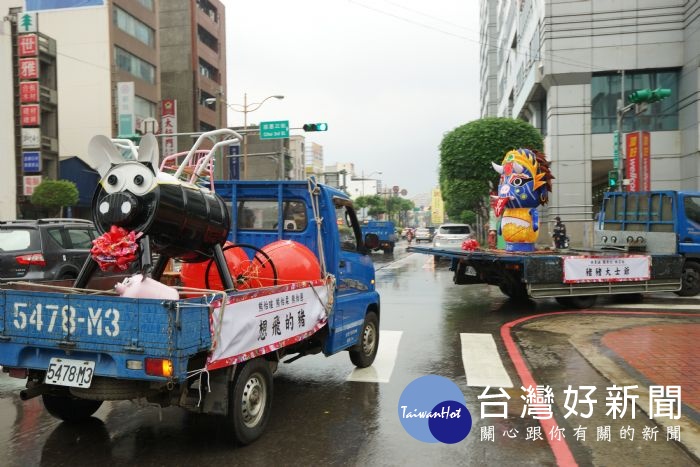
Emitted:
pixel 612 178
pixel 661 94
pixel 649 95
pixel 315 127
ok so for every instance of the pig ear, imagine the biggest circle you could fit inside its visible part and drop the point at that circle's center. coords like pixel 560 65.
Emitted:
pixel 102 154
pixel 148 151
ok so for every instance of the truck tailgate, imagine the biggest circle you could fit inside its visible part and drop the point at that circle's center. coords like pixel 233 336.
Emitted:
pixel 35 326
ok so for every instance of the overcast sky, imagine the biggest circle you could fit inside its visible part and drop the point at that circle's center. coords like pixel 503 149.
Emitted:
pixel 388 76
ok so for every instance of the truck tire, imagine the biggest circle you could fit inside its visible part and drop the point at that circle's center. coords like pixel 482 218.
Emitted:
pixel 513 288
pixel 70 409
pixel 362 355
pixel 251 401
pixel 578 302
pixel 690 280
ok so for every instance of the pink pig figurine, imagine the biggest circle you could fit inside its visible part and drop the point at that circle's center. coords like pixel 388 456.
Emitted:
pixel 138 287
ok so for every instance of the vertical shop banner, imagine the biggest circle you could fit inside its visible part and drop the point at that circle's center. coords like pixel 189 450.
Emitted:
pixel 28 68
pixel 29 115
pixel 29 92
pixel 645 161
pixel 30 182
pixel 168 125
pixel 125 108
pixel 632 160
pixel 27 45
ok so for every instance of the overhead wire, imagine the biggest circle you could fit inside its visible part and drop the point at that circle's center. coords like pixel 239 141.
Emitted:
pixel 551 57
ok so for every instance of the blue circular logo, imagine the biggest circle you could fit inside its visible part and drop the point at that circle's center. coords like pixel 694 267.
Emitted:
pixel 432 409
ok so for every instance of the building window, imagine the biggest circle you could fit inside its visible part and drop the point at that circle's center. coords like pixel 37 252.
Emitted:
pixel 143 109
pixel 134 65
pixel 208 9
pixel 208 70
pixel 659 116
pixel 204 126
pixel 206 38
pixel 147 4
pixel 134 27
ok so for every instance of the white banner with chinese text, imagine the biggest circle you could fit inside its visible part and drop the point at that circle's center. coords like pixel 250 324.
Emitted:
pixel 261 321
pixel 579 269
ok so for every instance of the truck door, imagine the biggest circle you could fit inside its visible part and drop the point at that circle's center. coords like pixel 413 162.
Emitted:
pixel 689 224
pixel 355 273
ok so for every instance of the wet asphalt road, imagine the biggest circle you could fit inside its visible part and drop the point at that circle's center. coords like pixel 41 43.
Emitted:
pixel 318 417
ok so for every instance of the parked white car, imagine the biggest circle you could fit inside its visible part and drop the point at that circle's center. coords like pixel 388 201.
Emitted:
pixel 451 235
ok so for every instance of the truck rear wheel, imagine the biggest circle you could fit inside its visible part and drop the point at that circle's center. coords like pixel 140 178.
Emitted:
pixel 251 401
pixel 512 287
pixel 579 302
pixel 690 280
pixel 364 353
pixel 70 409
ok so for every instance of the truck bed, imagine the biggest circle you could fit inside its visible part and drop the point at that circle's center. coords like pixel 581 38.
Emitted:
pixel 36 325
pixel 543 271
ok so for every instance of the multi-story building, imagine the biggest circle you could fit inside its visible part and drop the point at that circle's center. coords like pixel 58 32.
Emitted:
pixel 295 165
pixel 313 159
pixel 106 72
pixel 562 66
pixel 193 66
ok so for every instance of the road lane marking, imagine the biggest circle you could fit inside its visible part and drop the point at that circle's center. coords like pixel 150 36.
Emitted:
pixel 398 263
pixel 650 306
pixel 482 364
pixel 383 366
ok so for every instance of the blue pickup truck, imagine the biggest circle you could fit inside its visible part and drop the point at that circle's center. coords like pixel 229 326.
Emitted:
pixel 385 230
pixel 77 347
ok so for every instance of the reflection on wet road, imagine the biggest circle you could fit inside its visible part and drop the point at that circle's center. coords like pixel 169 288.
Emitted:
pixel 324 413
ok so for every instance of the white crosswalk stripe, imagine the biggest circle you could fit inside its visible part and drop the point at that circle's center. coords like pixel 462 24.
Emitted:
pixel 651 306
pixel 383 366
pixel 482 363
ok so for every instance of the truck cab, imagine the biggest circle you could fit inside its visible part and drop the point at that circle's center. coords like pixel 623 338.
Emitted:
pixel 264 212
pixel 654 222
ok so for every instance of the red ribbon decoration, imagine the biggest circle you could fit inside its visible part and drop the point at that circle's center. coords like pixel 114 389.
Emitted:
pixel 470 244
pixel 115 250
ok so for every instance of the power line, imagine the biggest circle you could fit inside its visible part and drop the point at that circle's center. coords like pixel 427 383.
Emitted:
pixel 551 57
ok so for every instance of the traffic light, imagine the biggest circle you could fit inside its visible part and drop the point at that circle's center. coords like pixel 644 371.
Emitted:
pixel 315 127
pixel 612 178
pixel 649 95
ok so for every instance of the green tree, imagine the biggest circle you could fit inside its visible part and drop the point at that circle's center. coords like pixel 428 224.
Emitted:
pixel 375 204
pixel 54 195
pixel 466 154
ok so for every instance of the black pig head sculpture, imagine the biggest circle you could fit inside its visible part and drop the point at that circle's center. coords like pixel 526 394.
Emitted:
pixel 177 219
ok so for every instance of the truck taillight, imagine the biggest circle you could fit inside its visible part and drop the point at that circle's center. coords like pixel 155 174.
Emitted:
pixel 159 367
pixel 35 259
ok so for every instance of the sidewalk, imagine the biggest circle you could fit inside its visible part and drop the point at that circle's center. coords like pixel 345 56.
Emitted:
pixel 662 354
pixel 628 348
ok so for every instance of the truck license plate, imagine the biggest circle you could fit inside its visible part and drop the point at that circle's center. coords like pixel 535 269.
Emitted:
pixel 66 372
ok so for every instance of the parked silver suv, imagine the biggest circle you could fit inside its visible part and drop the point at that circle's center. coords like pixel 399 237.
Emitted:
pixel 451 235
pixel 44 249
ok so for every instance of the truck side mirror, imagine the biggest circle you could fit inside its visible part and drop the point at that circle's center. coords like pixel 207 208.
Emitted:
pixel 371 241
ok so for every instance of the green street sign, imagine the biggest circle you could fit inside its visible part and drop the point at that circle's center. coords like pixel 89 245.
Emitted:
pixel 274 130
pixel 616 150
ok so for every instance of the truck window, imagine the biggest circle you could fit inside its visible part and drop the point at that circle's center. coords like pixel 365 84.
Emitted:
pixel 264 215
pixel 692 209
pixel 347 226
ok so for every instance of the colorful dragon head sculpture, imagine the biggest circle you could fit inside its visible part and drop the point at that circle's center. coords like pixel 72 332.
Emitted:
pixel 525 184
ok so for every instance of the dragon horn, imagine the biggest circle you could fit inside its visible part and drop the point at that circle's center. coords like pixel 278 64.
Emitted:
pixel 517 168
pixel 497 168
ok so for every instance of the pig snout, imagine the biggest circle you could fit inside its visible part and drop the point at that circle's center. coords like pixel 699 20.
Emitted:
pixel 118 208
